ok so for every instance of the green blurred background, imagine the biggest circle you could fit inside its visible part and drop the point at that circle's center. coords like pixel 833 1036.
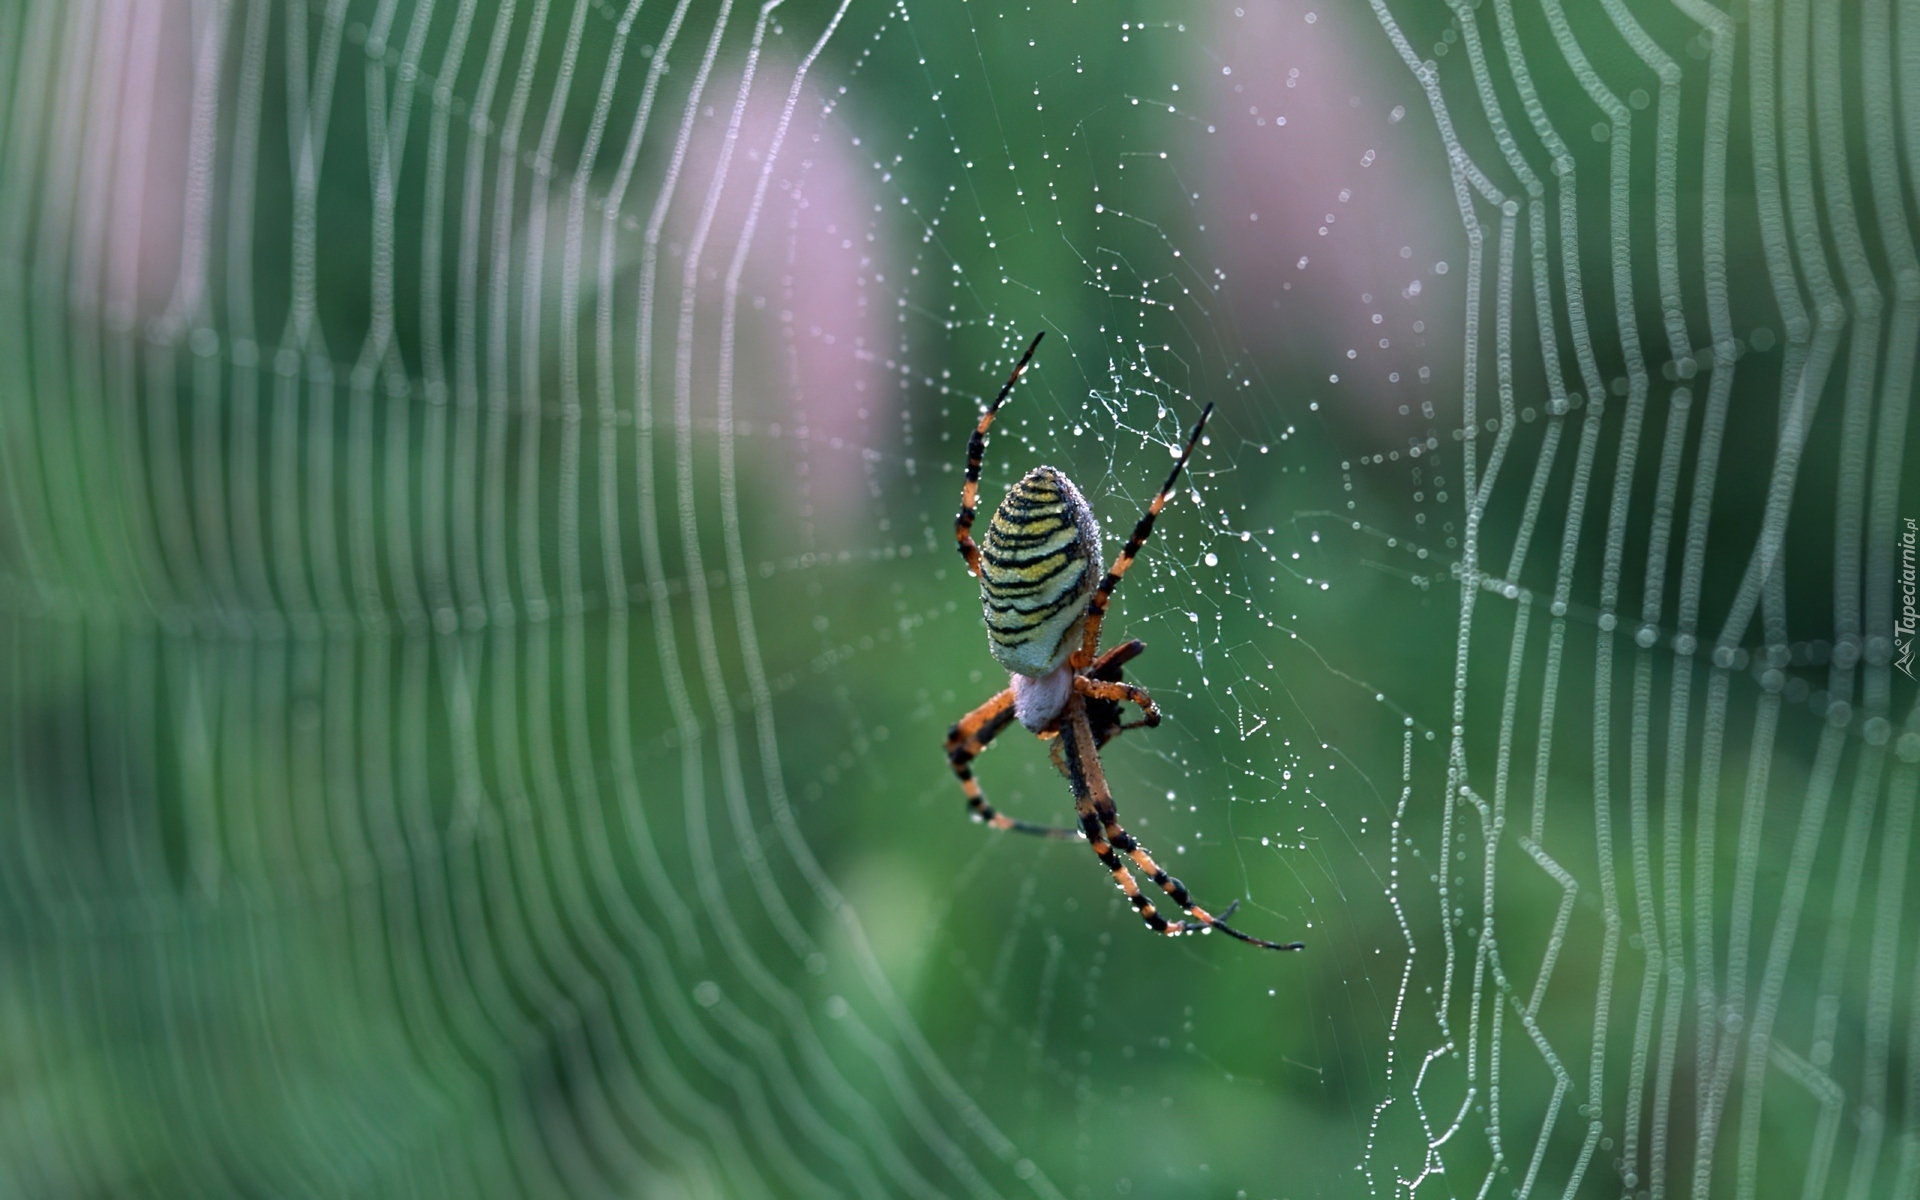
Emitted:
pixel 480 616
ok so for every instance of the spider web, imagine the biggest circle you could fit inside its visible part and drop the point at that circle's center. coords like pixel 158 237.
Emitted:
pixel 481 617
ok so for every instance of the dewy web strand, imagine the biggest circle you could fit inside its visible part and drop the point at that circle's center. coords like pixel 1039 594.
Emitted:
pixel 1805 371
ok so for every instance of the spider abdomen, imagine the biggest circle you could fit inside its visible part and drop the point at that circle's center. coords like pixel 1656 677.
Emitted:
pixel 1038 563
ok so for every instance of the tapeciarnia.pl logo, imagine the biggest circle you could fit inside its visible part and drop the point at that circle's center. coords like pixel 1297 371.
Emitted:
pixel 1904 625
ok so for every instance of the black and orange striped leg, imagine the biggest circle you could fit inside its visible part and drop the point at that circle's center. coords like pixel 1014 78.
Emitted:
pixel 968 737
pixel 1142 530
pixel 976 454
pixel 1101 823
pixel 1104 715
pixel 1108 665
pixel 1101 689
pixel 1098 819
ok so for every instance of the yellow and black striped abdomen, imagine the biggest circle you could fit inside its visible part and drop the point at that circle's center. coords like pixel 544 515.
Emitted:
pixel 1039 562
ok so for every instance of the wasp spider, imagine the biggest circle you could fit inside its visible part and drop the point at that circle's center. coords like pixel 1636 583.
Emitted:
pixel 1036 568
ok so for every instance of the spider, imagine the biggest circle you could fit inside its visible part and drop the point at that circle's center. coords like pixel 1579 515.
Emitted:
pixel 1043 614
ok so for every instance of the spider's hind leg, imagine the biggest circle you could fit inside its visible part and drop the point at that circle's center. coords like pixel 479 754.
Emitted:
pixel 1102 595
pixel 976 454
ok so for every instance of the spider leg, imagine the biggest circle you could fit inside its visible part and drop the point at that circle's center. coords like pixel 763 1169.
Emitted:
pixel 1059 759
pixel 1092 826
pixel 1101 689
pixel 1101 736
pixel 1100 820
pixel 968 737
pixel 976 454
pixel 1097 604
pixel 1108 665
pixel 1104 715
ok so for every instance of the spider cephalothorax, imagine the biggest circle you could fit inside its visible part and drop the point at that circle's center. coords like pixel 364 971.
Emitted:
pixel 1037 568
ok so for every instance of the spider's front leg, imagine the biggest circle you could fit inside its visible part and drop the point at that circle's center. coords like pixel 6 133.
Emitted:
pixel 1101 821
pixel 968 737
